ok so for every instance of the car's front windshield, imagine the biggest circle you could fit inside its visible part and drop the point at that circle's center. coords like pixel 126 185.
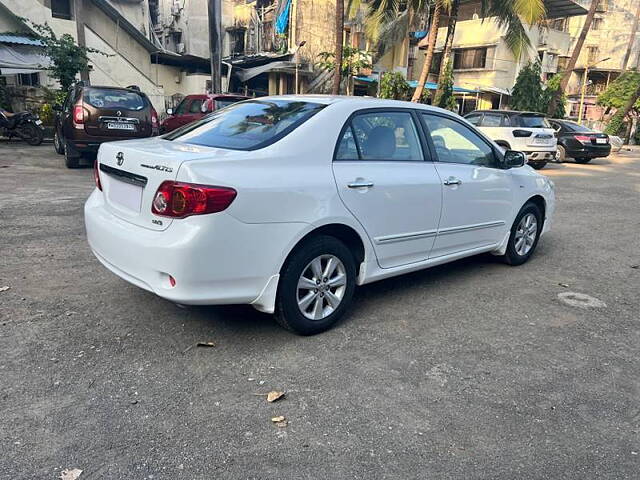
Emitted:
pixel 247 125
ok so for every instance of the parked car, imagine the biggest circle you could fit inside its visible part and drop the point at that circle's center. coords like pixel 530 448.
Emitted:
pixel 579 142
pixel 250 205
pixel 527 132
pixel 194 107
pixel 92 115
pixel 24 125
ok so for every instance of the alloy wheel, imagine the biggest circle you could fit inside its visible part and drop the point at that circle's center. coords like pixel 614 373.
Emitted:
pixel 321 287
pixel 526 233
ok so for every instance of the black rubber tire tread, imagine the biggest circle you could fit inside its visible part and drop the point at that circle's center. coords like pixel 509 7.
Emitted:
pixel 511 257
pixel 70 160
pixel 59 147
pixel 582 160
pixel 287 313
pixel 538 165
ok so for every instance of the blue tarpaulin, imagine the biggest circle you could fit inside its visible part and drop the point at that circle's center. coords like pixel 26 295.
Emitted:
pixel 282 16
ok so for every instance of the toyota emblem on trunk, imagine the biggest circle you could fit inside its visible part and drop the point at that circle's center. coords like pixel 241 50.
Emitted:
pixel 120 158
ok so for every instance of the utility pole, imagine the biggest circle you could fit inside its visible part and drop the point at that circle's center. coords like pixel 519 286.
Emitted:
pixel 214 9
pixel 632 39
pixel 78 14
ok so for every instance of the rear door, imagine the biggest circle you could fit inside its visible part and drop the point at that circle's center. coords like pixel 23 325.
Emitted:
pixel 120 113
pixel 389 183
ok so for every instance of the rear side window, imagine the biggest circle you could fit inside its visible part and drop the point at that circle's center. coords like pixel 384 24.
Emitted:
pixel 574 127
pixel 225 102
pixel 248 125
pixel 380 136
pixel 114 99
pixel 533 121
pixel 491 120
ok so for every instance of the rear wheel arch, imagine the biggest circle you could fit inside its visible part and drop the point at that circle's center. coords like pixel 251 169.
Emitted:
pixel 346 234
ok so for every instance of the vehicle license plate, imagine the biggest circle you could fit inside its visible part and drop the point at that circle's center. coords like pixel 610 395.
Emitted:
pixel 601 140
pixel 120 126
pixel 541 141
pixel 125 194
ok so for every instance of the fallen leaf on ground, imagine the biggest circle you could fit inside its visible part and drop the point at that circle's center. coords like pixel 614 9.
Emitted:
pixel 273 396
pixel 205 344
pixel 564 285
pixel 635 266
pixel 5 288
pixel 70 474
pixel 277 419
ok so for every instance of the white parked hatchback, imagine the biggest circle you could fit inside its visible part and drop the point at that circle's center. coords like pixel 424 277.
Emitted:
pixel 287 203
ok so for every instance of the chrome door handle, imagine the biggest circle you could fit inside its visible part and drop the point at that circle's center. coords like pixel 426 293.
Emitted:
pixel 453 181
pixel 363 184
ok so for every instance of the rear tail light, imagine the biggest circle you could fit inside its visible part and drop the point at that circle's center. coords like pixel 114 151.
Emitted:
pixel 96 174
pixel 154 118
pixel 79 114
pixel 522 133
pixel 180 200
pixel 583 138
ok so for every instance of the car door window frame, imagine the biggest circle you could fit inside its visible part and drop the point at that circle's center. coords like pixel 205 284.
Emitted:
pixel 497 154
pixel 427 153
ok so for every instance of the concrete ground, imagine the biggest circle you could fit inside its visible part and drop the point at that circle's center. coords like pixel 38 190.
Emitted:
pixel 470 370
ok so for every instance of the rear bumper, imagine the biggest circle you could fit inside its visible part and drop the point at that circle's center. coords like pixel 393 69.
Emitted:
pixel 540 156
pixel 215 259
pixel 589 152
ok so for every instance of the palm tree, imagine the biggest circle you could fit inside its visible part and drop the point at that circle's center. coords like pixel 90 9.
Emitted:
pixel 337 77
pixel 510 14
pixel 448 43
pixel 564 81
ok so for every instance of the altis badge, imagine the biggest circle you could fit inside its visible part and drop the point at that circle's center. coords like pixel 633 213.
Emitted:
pixel 161 168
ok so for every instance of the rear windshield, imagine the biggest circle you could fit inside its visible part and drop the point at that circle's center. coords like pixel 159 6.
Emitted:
pixel 577 128
pixel 248 125
pixel 111 99
pixel 533 121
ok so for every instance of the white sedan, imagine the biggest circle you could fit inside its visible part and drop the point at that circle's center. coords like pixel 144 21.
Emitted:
pixel 287 203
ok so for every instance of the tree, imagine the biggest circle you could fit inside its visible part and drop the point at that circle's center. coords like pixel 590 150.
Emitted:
pixel 337 77
pixel 619 95
pixel 394 86
pixel 564 81
pixel 353 60
pixel 448 44
pixel 67 57
pixel 553 90
pixel 527 93
pixel 444 96
pixel 431 45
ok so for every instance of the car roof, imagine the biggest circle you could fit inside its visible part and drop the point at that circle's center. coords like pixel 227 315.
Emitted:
pixel 508 112
pixel 356 101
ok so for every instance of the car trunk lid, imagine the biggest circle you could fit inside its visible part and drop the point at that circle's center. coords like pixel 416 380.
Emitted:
pixel 131 172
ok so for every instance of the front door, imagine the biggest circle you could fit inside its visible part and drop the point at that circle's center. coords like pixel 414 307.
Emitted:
pixel 389 183
pixel 477 194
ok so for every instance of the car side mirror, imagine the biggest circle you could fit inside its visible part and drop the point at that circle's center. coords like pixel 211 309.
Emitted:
pixel 169 111
pixel 514 159
pixel 56 108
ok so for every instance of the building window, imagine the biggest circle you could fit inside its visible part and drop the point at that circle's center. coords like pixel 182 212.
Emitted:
pixel 470 58
pixel 592 54
pixel 559 24
pixel 61 9
pixel 29 79
pixel 596 24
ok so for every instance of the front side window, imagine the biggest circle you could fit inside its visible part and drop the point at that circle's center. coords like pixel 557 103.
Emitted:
pixel 381 136
pixel 182 107
pixel 196 106
pixel 455 143
pixel 247 125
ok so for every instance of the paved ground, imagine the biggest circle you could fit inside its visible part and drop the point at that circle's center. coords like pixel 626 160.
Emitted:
pixel 471 370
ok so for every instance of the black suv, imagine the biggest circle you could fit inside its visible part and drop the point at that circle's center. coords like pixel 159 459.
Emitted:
pixel 92 115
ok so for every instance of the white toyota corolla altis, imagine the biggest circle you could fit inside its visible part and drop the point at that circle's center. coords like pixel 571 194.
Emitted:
pixel 287 203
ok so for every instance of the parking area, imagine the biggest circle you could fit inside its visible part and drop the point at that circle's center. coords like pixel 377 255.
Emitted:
pixel 469 370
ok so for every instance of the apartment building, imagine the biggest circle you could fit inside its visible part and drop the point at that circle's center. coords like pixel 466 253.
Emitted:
pixel 603 53
pixel 482 61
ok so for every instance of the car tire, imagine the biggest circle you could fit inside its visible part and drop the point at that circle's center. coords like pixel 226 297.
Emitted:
pixel 538 165
pixel 582 160
pixel 57 143
pixel 71 159
pixel 296 306
pixel 561 154
pixel 521 232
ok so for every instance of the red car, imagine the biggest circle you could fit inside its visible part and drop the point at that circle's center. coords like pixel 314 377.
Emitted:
pixel 194 107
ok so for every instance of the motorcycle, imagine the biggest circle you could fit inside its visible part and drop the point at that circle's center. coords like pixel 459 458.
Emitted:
pixel 24 125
